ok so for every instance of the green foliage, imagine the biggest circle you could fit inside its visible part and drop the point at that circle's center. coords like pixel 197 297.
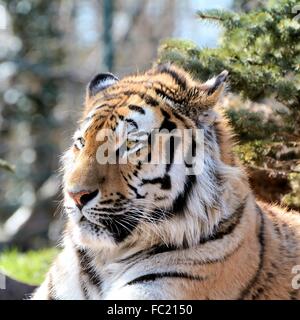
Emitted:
pixel 256 152
pixel 252 153
pixel 29 267
pixel 251 126
pixel 260 49
pixel 293 199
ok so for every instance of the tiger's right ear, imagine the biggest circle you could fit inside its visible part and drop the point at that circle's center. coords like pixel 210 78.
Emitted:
pixel 100 82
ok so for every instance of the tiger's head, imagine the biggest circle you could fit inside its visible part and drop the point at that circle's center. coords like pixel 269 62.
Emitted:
pixel 130 174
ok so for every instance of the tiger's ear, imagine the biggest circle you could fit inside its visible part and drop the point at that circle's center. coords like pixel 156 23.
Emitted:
pixel 213 88
pixel 100 82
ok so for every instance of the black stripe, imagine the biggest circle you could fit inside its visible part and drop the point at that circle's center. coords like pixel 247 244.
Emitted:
pixel 87 269
pixel 171 97
pixel 166 123
pixel 121 196
pixel 135 173
pixel 149 100
pixel 108 210
pixel 165 182
pixel 109 201
pixel 180 117
pixel 123 176
pixel 51 291
pixel 102 106
pixel 157 276
pixel 139 165
pixel 276 227
pixel 261 240
pixel 137 108
pixel 179 79
pixel 162 248
pixel 227 226
pixel 132 122
pixel 85 291
pixel 156 249
pixel 134 255
pixel 138 196
pixel 180 201
pixel 84 288
pixel 209 138
pixel 160 198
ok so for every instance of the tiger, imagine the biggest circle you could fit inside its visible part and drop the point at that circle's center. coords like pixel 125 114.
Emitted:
pixel 156 230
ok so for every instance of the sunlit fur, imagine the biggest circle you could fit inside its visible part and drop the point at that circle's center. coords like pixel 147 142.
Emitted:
pixel 201 237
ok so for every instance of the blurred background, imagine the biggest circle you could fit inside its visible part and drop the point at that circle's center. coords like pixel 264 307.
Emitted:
pixel 49 51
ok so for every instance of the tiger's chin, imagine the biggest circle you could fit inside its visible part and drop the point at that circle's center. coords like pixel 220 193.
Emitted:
pixel 88 234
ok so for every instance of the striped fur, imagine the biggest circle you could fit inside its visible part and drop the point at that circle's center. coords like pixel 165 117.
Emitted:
pixel 153 232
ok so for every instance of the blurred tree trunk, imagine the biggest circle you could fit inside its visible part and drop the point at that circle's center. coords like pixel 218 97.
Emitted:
pixel 34 231
pixel 108 41
pixel 31 126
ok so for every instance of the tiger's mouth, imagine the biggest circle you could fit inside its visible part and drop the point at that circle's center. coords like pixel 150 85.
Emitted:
pixel 85 221
pixel 99 221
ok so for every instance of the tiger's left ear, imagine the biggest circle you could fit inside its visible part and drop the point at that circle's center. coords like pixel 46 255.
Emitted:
pixel 100 82
pixel 213 88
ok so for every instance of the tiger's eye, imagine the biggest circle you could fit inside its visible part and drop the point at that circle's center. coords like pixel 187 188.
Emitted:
pixel 129 144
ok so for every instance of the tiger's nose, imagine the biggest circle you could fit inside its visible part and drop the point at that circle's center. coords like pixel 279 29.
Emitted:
pixel 83 197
